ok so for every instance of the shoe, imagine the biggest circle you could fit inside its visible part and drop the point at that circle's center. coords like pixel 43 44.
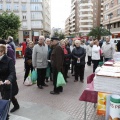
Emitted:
pixel 75 80
pixel 14 109
pixel 40 87
pixel 54 93
pixel 45 85
pixel 82 81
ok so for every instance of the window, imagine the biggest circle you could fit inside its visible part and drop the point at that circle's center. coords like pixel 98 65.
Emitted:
pixel 36 7
pixel 23 7
pixel 8 0
pixel 23 0
pixel 107 6
pixel 24 16
pixel 118 12
pixel 16 7
pixel 112 3
pixel 37 24
pixel 36 15
pixel 16 0
pixel 8 7
pixel 0 6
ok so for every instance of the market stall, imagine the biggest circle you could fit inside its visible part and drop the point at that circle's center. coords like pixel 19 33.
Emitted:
pixel 18 52
pixel 103 88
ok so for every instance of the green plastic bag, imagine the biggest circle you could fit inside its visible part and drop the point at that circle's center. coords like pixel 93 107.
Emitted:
pixel 48 72
pixel 60 80
pixel 34 76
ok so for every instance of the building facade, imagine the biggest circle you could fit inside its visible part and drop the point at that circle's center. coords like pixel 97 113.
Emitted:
pixel 111 20
pixel 67 27
pixel 89 15
pixel 35 16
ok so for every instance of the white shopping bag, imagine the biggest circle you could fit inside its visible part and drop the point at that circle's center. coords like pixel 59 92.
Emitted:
pixel 28 81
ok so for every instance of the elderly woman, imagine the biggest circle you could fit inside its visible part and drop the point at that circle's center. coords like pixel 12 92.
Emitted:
pixel 7 77
pixel 67 57
pixel 28 59
pixel 79 54
pixel 95 54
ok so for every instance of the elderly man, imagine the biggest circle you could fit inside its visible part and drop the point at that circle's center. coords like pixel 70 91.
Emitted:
pixel 108 49
pixel 57 59
pixel 40 61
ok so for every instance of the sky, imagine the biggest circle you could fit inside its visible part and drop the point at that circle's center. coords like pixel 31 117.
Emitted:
pixel 60 11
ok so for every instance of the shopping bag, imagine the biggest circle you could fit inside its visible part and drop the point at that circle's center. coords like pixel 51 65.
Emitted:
pixel 28 81
pixel 34 76
pixel 48 72
pixel 60 80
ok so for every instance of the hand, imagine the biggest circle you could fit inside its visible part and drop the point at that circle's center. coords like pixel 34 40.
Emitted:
pixel 1 83
pixel 7 82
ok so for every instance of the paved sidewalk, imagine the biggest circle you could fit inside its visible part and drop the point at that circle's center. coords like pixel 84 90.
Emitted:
pixel 39 104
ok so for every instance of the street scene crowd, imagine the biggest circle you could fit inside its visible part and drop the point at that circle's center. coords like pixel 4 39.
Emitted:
pixel 49 57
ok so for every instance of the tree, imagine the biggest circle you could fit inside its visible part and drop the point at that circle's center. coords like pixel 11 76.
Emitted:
pixel 61 36
pixel 97 32
pixel 9 25
pixel 56 34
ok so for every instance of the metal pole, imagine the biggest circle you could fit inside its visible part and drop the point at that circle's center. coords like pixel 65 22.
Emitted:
pixel 85 110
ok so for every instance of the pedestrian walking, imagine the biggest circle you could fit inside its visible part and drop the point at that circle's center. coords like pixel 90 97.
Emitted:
pixel 95 54
pixel 40 61
pixel 28 59
pixel 7 77
pixel 79 54
pixel 108 49
pixel 57 59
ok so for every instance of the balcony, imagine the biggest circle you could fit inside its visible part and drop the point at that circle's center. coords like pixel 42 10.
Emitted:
pixel 86 4
pixel 84 31
pixel 86 15
pixel 115 30
pixel 89 20
pixel 72 29
pixel 86 10
pixel 86 26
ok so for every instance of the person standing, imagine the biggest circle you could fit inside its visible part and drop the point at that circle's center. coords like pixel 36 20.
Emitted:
pixel 89 53
pixel 7 77
pixel 28 59
pixel 79 54
pixel 67 57
pixel 57 59
pixel 40 61
pixel 118 46
pixel 95 54
pixel 108 49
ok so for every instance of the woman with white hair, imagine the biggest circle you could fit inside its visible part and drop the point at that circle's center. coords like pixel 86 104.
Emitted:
pixel 79 54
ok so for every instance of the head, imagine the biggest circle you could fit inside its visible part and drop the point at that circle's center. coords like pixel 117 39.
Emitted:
pixel 77 43
pixel 3 49
pixel 66 41
pixel 30 44
pixel 41 39
pixel 91 43
pixel 107 39
pixel 27 40
pixel 55 40
pixel 82 41
pixel 62 43
pixel 96 42
pixel 2 42
pixel 48 41
pixel 10 38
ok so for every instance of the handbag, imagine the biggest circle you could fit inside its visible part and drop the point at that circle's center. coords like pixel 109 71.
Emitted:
pixel 60 80
pixel 29 62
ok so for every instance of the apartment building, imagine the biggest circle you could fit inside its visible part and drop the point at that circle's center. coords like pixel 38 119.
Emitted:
pixel 74 17
pixel 67 27
pixel 34 15
pixel 111 19
pixel 89 15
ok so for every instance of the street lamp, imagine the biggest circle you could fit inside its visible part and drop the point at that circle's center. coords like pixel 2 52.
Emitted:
pixel 109 22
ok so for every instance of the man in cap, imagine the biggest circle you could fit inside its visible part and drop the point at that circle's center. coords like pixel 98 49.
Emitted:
pixel 57 59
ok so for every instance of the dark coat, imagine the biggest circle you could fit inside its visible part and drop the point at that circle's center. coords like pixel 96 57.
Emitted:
pixel 57 58
pixel 7 72
pixel 79 52
pixel 28 53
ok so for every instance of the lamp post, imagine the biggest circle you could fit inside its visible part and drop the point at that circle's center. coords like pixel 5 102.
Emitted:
pixel 109 22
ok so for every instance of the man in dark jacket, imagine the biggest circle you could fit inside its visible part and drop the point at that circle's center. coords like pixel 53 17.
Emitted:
pixel 57 60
